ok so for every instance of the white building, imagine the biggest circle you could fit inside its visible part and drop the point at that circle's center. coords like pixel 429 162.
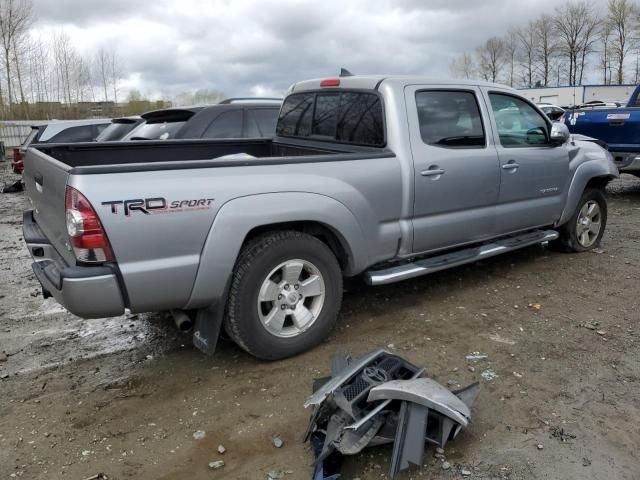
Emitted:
pixel 568 96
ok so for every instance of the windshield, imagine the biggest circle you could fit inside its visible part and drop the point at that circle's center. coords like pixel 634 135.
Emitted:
pixel 115 131
pixel 155 131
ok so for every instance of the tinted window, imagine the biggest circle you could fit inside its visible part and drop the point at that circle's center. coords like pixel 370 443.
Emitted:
pixel 519 124
pixel 115 131
pixel 450 119
pixel 267 119
pixel 347 117
pixel 325 117
pixel 155 131
pixel 83 133
pixel 30 138
pixel 360 119
pixel 226 125
pixel 295 115
pixel 251 129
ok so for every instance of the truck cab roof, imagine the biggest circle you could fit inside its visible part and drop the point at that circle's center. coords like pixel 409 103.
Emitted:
pixel 373 82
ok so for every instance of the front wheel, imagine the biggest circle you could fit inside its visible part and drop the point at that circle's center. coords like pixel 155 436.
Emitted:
pixel 285 295
pixel 585 228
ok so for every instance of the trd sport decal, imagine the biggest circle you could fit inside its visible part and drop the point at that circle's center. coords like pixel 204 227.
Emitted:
pixel 157 205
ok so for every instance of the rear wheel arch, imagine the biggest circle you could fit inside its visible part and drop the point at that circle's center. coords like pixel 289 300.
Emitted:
pixel 326 234
pixel 240 220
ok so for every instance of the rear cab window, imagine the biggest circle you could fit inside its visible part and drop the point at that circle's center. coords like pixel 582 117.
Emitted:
pixel 343 116
pixel 450 119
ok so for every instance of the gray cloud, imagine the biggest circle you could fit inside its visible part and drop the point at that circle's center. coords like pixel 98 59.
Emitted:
pixel 240 47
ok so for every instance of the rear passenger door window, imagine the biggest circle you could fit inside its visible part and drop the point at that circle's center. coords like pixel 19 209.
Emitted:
pixel 518 123
pixel 450 119
pixel 226 125
pixel 266 119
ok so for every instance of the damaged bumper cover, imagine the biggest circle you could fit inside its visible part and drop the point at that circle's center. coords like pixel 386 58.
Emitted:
pixel 379 399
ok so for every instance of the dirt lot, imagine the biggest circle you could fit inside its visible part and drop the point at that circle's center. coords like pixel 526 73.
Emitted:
pixel 124 396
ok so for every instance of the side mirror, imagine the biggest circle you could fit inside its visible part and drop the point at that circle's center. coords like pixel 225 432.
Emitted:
pixel 559 133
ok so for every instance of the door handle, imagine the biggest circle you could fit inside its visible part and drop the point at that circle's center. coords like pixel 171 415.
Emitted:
pixel 432 172
pixel 39 179
pixel 511 165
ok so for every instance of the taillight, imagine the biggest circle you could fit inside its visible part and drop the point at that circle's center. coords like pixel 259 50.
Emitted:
pixel 89 242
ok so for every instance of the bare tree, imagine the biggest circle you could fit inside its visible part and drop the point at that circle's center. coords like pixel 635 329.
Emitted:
pixel 463 66
pixel 545 47
pixel 63 57
pixel 588 43
pixel 115 72
pixel 102 67
pixel 511 52
pixel 528 47
pixel 605 52
pixel 491 59
pixel 619 20
pixel 575 24
pixel 15 19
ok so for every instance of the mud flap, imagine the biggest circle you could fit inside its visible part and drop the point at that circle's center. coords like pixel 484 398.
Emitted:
pixel 207 328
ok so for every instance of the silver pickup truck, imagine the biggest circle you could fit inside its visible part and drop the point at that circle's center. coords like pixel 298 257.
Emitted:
pixel 384 177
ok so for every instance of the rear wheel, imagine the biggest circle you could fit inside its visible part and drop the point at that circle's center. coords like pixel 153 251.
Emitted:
pixel 585 228
pixel 285 295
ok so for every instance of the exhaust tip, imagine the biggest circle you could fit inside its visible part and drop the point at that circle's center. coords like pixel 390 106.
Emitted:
pixel 182 320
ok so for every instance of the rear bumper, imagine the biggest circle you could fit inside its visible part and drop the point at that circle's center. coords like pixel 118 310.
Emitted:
pixel 86 291
pixel 626 161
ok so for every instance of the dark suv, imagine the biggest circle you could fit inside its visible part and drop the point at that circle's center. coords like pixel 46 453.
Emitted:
pixel 231 118
pixel 234 118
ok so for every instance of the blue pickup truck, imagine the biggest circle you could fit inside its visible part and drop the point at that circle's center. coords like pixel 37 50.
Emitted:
pixel 618 127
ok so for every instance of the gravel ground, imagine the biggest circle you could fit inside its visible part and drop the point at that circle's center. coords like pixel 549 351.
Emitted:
pixel 124 396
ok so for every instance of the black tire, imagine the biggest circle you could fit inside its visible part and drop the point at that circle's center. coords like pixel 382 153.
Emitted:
pixel 568 241
pixel 256 260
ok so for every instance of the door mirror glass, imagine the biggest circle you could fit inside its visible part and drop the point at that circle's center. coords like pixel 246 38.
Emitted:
pixel 559 133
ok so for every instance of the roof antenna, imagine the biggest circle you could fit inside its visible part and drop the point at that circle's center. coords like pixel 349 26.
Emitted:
pixel 345 73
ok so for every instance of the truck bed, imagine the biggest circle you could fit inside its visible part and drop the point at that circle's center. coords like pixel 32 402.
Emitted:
pixel 115 157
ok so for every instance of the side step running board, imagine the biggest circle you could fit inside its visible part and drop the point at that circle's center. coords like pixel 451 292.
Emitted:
pixel 459 257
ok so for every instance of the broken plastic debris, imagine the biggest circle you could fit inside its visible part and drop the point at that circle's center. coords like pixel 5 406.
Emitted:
pixel 488 374
pixel 215 465
pixel 476 356
pixel 381 399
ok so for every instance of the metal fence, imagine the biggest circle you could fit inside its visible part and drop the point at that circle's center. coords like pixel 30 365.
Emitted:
pixel 12 134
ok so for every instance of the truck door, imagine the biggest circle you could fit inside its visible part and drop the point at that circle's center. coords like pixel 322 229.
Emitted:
pixel 533 172
pixel 456 172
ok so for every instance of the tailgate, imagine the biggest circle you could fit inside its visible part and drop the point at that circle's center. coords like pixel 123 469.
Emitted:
pixel 618 127
pixel 45 181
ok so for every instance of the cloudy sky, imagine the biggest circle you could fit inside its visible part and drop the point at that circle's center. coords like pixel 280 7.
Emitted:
pixel 245 47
